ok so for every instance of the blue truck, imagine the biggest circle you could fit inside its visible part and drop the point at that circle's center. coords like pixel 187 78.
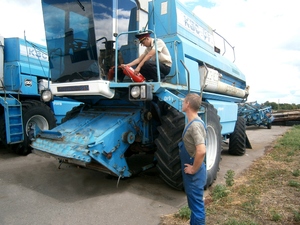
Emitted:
pixel 24 72
pixel 121 120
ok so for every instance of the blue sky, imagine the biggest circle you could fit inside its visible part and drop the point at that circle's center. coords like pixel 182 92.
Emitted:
pixel 265 34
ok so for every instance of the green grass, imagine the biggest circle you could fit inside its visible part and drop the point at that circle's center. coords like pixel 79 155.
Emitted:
pixel 229 178
pixel 294 183
pixel 184 213
pixel 219 191
pixel 233 221
pixel 275 216
pixel 296 216
pixel 251 201
pixel 296 173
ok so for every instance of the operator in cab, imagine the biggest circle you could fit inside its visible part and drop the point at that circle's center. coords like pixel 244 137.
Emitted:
pixel 146 62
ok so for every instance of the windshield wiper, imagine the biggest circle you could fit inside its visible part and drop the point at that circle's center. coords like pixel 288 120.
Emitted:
pixel 81 6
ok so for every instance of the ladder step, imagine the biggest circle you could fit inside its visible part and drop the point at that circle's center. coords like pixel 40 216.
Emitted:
pixel 15 134
pixel 13 120
pixel 15 124
pixel 12 116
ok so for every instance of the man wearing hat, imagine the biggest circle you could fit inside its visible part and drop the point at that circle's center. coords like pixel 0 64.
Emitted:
pixel 146 63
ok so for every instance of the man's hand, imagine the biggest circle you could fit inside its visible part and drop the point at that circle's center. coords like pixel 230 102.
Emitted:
pixel 137 70
pixel 189 169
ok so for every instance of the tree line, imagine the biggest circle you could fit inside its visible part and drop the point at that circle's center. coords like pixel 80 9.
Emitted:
pixel 281 106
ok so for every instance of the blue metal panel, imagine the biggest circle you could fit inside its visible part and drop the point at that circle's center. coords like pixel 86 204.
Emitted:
pixel 12 76
pixel 29 85
pixel 32 57
pixel 226 67
pixel 228 115
pixel 193 68
pixel 60 107
pixel 15 81
pixel 161 14
pixel 172 99
pixel 174 23
pixel 94 135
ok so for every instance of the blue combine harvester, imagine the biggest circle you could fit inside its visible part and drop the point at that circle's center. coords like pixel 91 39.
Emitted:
pixel 119 119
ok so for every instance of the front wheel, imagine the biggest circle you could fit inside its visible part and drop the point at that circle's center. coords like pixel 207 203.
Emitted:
pixel 34 113
pixel 167 154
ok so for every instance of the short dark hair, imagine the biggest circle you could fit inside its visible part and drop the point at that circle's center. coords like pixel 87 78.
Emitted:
pixel 194 100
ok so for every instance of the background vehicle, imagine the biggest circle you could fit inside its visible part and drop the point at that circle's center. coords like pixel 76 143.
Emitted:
pixel 24 70
pixel 119 119
pixel 256 114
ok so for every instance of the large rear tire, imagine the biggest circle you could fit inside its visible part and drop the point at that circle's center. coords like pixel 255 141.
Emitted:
pixel 237 140
pixel 213 143
pixel 34 113
pixel 167 154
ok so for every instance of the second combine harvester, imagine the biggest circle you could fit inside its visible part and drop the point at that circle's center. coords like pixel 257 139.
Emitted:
pixel 121 119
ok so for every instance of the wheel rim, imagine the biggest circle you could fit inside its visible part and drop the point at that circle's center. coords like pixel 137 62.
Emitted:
pixel 211 147
pixel 37 120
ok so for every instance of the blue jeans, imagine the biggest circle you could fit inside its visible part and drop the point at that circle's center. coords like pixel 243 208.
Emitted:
pixel 194 187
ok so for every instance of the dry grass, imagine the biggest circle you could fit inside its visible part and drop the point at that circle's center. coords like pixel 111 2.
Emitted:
pixel 267 193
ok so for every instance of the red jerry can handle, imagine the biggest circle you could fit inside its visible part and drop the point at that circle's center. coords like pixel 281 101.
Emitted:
pixel 129 71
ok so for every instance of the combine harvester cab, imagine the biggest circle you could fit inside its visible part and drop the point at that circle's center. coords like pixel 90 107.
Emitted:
pixel 87 41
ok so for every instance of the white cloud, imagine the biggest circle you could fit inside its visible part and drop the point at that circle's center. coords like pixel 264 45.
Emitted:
pixel 266 36
pixel 19 16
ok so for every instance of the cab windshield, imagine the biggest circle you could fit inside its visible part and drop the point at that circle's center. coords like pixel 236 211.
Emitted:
pixel 80 37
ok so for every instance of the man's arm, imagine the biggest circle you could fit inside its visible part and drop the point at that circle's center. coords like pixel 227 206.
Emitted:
pixel 141 60
pixel 144 59
pixel 198 160
pixel 134 62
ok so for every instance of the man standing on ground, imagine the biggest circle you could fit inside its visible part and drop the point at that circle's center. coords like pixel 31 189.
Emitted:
pixel 192 153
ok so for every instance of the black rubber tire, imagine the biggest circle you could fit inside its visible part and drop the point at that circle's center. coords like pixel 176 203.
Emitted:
pixel 167 154
pixel 269 125
pixel 237 140
pixel 213 143
pixel 34 112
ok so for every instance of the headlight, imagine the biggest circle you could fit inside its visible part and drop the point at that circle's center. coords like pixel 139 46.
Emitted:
pixel 135 91
pixel 46 95
pixel 143 92
pixel 140 92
